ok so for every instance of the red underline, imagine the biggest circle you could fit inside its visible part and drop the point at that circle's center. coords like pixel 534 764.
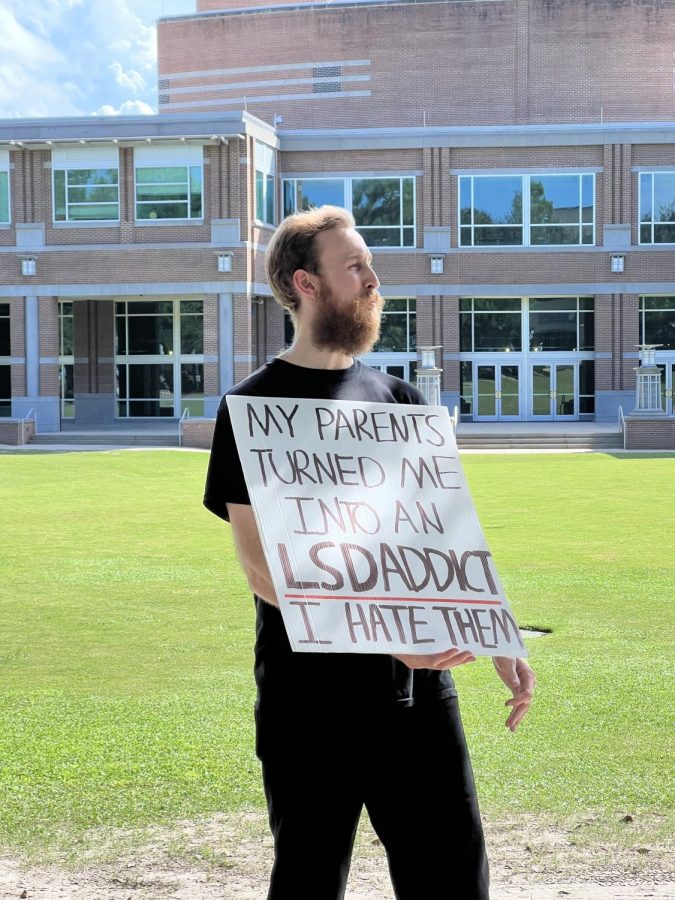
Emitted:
pixel 378 599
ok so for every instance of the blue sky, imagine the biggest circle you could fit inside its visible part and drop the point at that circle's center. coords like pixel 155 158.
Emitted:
pixel 80 57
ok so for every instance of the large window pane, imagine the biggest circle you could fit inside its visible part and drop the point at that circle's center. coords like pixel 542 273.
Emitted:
pixel 659 328
pixel 553 331
pixel 150 335
pixel 154 385
pixel 497 304
pixel 191 334
pixel 664 196
pixel 466 388
pixel 192 388
pixel 376 201
pixel 497 331
pixel 646 198
pixel 4 196
pixel 5 349
pixel 554 199
pixel 313 192
pixel 465 339
pixel 498 200
pixel 5 391
pixel 381 237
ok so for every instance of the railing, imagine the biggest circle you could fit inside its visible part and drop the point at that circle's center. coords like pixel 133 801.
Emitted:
pixel 454 418
pixel 30 415
pixel 186 415
pixel 622 425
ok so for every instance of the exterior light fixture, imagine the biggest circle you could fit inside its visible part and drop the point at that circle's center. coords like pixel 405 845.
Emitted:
pixel 617 262
pixel 28 265
pixel 436 265
pixel 224 262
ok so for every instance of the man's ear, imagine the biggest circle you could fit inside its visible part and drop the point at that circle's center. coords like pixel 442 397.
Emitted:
pixel 304 283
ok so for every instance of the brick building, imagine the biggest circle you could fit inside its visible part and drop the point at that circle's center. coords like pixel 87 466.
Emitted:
pixel 511 163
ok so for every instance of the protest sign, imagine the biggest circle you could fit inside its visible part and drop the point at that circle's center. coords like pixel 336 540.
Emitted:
pixel 369 531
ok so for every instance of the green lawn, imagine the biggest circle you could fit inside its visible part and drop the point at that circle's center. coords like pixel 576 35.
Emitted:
pixel 126 642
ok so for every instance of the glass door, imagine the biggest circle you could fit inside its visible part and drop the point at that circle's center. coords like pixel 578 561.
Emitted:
pixel 497 392
pixel 667 385
pixel 555 391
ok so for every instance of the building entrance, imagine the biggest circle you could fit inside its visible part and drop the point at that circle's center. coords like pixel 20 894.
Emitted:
pixel 497 392
pixel 667 387
pixel 555 391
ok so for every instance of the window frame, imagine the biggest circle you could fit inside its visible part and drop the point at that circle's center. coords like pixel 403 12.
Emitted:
pixel 526 225
pixel 188 166
pixel 642 310
pixel 5 170
pixel 265 167
pixel 81 168
pixel 653 223
pixel 348 202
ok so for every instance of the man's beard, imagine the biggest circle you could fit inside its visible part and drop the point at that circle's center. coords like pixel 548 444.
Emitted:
pixel 347 328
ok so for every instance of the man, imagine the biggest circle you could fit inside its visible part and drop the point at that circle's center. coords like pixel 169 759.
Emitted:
pixel 336 732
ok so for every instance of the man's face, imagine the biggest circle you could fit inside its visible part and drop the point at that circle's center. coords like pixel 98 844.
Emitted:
pixel 347 314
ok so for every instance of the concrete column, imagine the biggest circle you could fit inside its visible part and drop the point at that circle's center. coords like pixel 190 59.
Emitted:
pixel 226 341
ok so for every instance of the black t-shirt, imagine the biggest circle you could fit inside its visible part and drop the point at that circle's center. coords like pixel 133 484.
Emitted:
pixel 345 679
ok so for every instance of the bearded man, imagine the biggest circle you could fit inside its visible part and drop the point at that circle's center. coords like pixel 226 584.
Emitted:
pixel 337 732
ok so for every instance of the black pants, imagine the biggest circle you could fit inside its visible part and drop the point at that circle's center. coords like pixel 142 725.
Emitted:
pixel 408 766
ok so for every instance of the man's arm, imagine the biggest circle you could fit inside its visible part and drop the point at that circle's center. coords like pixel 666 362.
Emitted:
pixel 250 551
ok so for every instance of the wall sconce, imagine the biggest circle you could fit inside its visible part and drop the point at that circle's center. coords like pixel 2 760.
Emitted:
pixel 224 262
pixel 436 265
pixel 28 265
pixel 617 263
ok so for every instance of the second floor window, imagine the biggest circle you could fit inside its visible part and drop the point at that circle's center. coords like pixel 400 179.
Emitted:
pixel 383 208
pixel 4 197
pixel 264 183
pixel 168 192
pixel 526 210
pixel 86 195
pixel 657 207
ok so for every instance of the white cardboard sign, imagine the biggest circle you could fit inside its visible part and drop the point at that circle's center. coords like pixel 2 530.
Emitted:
pixel 369 531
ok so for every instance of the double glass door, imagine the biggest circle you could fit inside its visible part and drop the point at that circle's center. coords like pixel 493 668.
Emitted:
pixel 497 392
pixel 555 391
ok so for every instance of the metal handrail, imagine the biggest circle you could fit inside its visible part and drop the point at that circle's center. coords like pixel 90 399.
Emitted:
pixel 186 415
pixel 455 419
pixel 622 420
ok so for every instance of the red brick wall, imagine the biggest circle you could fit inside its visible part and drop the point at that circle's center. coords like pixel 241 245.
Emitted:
pixel 483 63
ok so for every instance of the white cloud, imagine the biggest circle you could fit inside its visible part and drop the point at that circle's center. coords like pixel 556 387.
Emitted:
pixel 128 108
pixel 130 80
pixel 67 57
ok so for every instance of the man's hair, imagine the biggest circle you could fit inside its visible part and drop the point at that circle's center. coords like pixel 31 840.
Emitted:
pixel 293 247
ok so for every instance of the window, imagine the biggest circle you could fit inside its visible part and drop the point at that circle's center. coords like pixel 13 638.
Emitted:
pixel 490 324
pixel 657 208
pixel 264 183
pixel 5 370
pixel 4 196
pixel 398 330
pixel 159 347
pixel 85 184
pixel 5 391
pixel 526 210
pixel 308 193
pixel 169 183
pixel 169 192
pixel 86 195
pixel 561 323
pixel 383 208
pixel 66 359
pixel 5 348
pixel 657 321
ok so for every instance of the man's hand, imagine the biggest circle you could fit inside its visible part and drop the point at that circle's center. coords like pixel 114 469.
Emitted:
pixel 519 679
pixel 447 659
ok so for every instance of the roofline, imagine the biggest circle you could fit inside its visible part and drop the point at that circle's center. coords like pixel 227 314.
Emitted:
pixel 237 124
pixel 161 127
pixel 478 136
pixel 301 7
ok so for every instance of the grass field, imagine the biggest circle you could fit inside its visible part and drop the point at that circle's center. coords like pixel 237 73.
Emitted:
pixel 126 639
